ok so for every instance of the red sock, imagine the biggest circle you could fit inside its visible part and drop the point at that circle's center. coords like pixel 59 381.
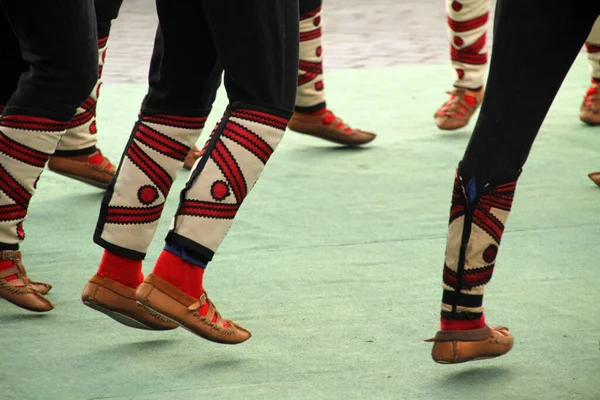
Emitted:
pixel 448 324
pixel 184 275
pixel 180 273
pixel 6 264
pixel 121 269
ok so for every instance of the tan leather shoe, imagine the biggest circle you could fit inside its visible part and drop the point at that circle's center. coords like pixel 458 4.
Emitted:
pixel 590 108
pixel 329 127
pixel 19 291
pixel 161 297
pixel 191 157
pixel 41 287
pixel 456 112
pixel 595 177
pixel 79 168
pixel 118 302
pixel 453 347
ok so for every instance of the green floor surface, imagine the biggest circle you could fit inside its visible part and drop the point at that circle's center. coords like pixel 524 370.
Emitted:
pixel 334 264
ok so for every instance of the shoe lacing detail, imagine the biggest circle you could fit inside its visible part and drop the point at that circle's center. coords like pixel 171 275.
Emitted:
pixel 211 314
pixel 154 314
pixel 331 119
pixel 104 166
pixel 21 285
pixel 591 101
pixel 456 106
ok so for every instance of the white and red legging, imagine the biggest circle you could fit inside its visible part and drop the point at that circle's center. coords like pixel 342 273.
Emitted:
pixel 467 32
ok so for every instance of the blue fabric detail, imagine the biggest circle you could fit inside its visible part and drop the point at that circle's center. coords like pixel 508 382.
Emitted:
pixel 185 256
pixel 471 191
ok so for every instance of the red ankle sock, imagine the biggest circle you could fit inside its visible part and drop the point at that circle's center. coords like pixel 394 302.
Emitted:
pixel 184 275
pixel 6 264
pixel 448 324
pixel 121 269
pixel 180 273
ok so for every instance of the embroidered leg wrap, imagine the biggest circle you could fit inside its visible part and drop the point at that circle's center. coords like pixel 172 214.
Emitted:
pixel 231 162
pixel 593 48
pixel 311 91
pixel 81 132
pixel 467 29
pixel 26 144
pixel 474 232
pixel 153 157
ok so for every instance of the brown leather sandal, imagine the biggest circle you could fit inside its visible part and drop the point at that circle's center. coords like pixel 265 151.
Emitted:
pixel 590 108
pixel 41 287
pixel 456 112
pixel 79 168
pixel 329 127
pixel 20 291
pixel 453 347
pixel 192 156
pixel 160 297
pixel 118 302
pixel 595 177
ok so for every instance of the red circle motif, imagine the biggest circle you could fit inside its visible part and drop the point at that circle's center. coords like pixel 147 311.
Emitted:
pixel 456 6
pixel 489 254
pixel 219 190
pixel 147 194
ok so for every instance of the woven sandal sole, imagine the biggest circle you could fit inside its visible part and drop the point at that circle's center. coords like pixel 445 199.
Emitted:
pixel 150 310
pixel 120 318
pixel 24 307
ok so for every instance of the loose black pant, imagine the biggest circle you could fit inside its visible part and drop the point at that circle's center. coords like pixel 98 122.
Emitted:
pixel 48 63
pixel 255 44
pixel 106 12
pixel 535 44
pixel 309 5
pixel 48 56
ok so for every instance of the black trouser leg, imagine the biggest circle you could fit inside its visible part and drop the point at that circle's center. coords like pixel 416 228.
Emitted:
pixel 257 46
pixel 57 43
pixel 535 44
pixel 309 5
pixel 11 62
pixel 58 40
pixel 106 12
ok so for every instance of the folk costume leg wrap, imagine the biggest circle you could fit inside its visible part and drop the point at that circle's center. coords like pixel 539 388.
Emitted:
pixel 134 202
pixel 593 49
pixel 475 229
pixel 499 146
pixel 80 137
pixel 310 96
pixel 26 144
pixel 467 32
pixel 232 160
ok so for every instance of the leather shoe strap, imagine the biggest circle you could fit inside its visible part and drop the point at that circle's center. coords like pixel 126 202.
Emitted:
pixel 472 335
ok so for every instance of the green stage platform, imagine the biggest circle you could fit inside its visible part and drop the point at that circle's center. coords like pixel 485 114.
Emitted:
pixel 334 264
